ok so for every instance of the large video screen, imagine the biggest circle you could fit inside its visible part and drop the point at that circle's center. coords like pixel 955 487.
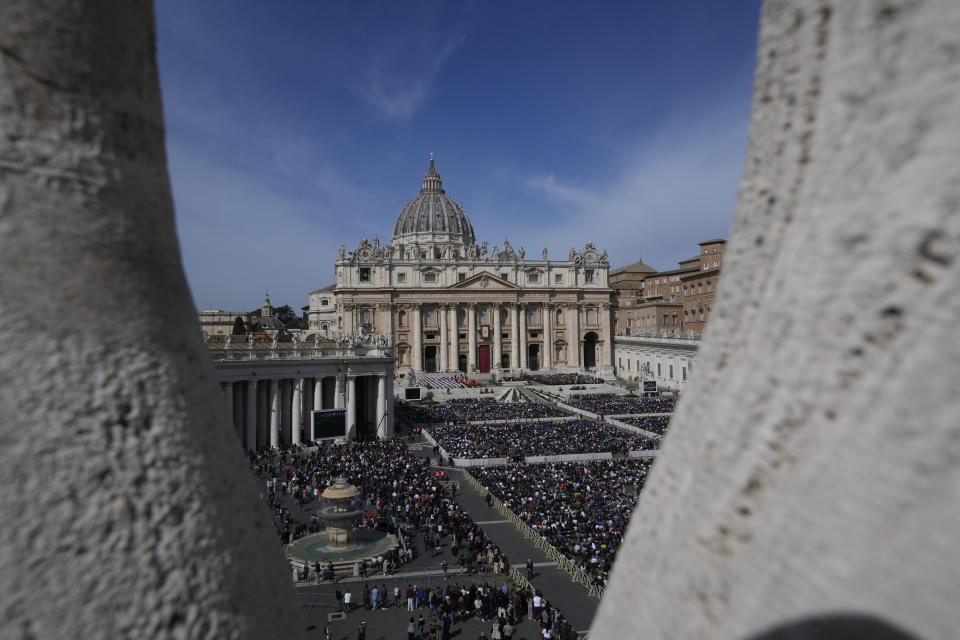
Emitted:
pixel 649 386
pixel 411 393
pixel 329 424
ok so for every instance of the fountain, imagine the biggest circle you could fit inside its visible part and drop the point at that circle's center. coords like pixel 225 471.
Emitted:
pixel 339 507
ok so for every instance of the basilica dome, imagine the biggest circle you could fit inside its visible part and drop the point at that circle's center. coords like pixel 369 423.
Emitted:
pixel 433 216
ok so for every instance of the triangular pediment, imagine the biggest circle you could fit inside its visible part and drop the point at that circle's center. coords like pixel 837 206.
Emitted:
pixel 486 281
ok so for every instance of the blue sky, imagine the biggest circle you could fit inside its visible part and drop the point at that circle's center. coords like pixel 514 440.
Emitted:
pixel 295 127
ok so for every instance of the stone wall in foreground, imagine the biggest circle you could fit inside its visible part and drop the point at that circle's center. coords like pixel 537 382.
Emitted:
pixel 127 507
pixel 831 479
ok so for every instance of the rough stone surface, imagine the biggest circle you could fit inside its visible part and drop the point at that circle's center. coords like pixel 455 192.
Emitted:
pixel 831 479
pixel 127 509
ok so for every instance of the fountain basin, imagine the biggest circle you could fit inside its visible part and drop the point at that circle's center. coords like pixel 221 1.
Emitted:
pixel 363 544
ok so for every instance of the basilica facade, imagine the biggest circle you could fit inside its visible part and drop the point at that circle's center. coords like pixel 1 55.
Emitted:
pixel 449 304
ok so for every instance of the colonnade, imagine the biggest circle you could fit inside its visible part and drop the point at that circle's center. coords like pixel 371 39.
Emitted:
pixel 274 412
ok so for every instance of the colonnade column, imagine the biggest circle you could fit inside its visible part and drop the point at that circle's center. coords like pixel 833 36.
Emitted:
pixel 573 350
pixel 251 415
pixel 606 334
pixel 386 314
pixel 417 340
pixel 497 338
pixel 522 314
pixel 547 355
pixel 317 394
pixel 382 406
pixel 228 400
pixel 338 393
pixel 274 413
pixel 296 410
pixel 351 407
pixel 514 335
pixel 471 337
pixel 441 317
pixel 454 339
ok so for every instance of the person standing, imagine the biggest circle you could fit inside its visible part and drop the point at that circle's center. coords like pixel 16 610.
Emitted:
pixel 346 600
pixel 411 630
pixel 529 569
pixel 339 600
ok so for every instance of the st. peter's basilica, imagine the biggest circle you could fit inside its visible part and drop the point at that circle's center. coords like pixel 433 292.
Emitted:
pixel 448 304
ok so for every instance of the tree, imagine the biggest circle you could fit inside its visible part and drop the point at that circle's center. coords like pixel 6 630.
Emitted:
pixel 239 327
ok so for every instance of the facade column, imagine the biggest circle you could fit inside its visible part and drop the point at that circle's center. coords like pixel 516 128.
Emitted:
pixel 338 394
pixel 454 339
pixel 606 334
pixel 388 398
pixel 417 359
pixel 251 415
pixel 514 335
pixel 274 413
pixel 441 316
pixel 348 317
pixel 228 400
pixel 471 337
pixel 547 323
pixel 382 430
pixel 351 408
pixel 573 350
pixel 296 407
pixel 522 314
pixel 386 324
pixel 497 337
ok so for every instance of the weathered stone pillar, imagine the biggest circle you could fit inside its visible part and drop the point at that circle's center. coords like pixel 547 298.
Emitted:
pixel 338 401
pixel 138 535
pixel 828 483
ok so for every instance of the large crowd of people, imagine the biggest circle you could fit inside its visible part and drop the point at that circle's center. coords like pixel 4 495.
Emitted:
pixel 475 409
pixel 656 424
pixel 612 404
pixel 518 440
pixel 582 509
pixel 561 378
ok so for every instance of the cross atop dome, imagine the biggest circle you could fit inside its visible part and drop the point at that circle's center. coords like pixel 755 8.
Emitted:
pixel 431 179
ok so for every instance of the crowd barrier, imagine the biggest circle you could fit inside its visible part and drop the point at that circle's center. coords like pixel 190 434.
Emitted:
pixel 524 420
pixel 570 457
pixel 576 573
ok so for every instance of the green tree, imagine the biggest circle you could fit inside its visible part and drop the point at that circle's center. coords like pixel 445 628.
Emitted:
pixel 239 327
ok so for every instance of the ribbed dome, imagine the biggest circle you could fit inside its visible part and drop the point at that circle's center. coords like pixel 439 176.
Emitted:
pixel 433 212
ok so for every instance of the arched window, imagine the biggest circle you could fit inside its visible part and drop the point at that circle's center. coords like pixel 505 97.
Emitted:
pixel 365 316
pixel 531 316
pixel 461 318
pixel 402 319
pixel 559 319
pixel 430 316
pixel 483 315
pixel 591 316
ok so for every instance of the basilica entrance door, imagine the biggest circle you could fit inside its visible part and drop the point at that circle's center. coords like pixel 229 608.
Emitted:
pixel 590 351
pixel 462 362
pixel 533 357
pixel 483 358
pixel 430 358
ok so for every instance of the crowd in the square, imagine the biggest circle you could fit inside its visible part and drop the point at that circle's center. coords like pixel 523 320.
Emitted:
pixel 656 424
pixel 582 509
pixel 473 409
pixel 434 610
pixel 612 404
pixel 561 378
pixel 515 441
